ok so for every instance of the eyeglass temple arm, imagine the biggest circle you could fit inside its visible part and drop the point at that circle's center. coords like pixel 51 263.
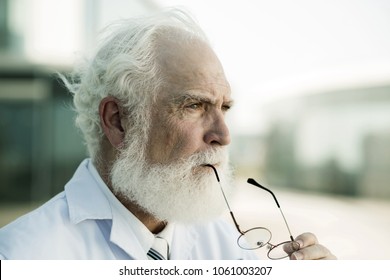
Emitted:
pixel 253 182
pixel 224 196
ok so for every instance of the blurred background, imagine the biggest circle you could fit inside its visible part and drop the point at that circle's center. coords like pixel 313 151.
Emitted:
pixel 311 80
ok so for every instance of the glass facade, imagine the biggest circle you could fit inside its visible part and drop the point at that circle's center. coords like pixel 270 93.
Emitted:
pixel 39 146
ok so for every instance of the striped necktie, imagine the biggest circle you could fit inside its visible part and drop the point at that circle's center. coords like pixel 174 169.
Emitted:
pixel 159 250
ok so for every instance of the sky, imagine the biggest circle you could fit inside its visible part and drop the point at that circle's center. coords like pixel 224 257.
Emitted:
pixel 270 49
pixel 279 38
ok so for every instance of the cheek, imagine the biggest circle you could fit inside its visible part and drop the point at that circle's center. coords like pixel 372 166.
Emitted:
pixel 160 143
pixel 191 138
pixel 184 139
pixel 181 140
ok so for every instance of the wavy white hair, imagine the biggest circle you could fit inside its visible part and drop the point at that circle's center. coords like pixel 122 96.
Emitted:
pixel 125 67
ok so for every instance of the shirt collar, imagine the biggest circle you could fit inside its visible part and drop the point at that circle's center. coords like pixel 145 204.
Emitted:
pixel 126 228
pixel 85 201
pixel 124 219
pixel 90 198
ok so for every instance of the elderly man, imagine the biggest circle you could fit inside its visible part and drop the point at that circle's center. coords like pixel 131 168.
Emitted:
pixel 151 104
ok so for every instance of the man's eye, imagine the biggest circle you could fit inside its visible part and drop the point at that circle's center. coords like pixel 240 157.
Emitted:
pixel 226 108
pixel 194 106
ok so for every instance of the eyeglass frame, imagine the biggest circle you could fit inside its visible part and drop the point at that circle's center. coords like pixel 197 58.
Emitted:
pixel 271 246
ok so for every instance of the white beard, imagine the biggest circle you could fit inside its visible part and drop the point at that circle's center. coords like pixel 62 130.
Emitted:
pixel 184 192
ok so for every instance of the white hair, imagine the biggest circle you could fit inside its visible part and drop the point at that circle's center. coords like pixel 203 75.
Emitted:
pixel 125 67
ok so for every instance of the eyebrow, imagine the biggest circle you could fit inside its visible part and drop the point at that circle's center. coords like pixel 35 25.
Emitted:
pixel 182 98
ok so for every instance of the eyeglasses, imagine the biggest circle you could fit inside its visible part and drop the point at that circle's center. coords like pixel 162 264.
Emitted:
pixel 259 237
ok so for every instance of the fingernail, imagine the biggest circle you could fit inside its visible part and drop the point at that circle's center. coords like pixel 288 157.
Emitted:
pixel 297 256
pixel 300 242
pixel 295 246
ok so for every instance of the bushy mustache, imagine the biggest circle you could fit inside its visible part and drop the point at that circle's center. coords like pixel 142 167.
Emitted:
pixel 184 167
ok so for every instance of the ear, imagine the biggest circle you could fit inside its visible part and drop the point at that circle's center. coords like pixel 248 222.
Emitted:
pixel 111 115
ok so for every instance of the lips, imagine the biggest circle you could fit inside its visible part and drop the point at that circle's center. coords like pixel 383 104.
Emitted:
pixel 214 169
pixel 212 165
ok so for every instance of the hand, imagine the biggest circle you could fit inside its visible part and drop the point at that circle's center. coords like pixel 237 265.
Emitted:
pixel 309 249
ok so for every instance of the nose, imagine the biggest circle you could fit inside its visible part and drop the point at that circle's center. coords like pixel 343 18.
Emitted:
pixel 217 132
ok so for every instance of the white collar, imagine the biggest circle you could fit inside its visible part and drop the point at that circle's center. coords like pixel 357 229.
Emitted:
pixel 123 221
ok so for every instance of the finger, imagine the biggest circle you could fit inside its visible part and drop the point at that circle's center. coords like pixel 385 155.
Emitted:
pixel 330 257
pixel 314 252
pixel 306 239
pixel 291 247
pixel 301 241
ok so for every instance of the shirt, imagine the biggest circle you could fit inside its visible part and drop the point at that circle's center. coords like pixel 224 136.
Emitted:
pixel 86 221
pixel 124 218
